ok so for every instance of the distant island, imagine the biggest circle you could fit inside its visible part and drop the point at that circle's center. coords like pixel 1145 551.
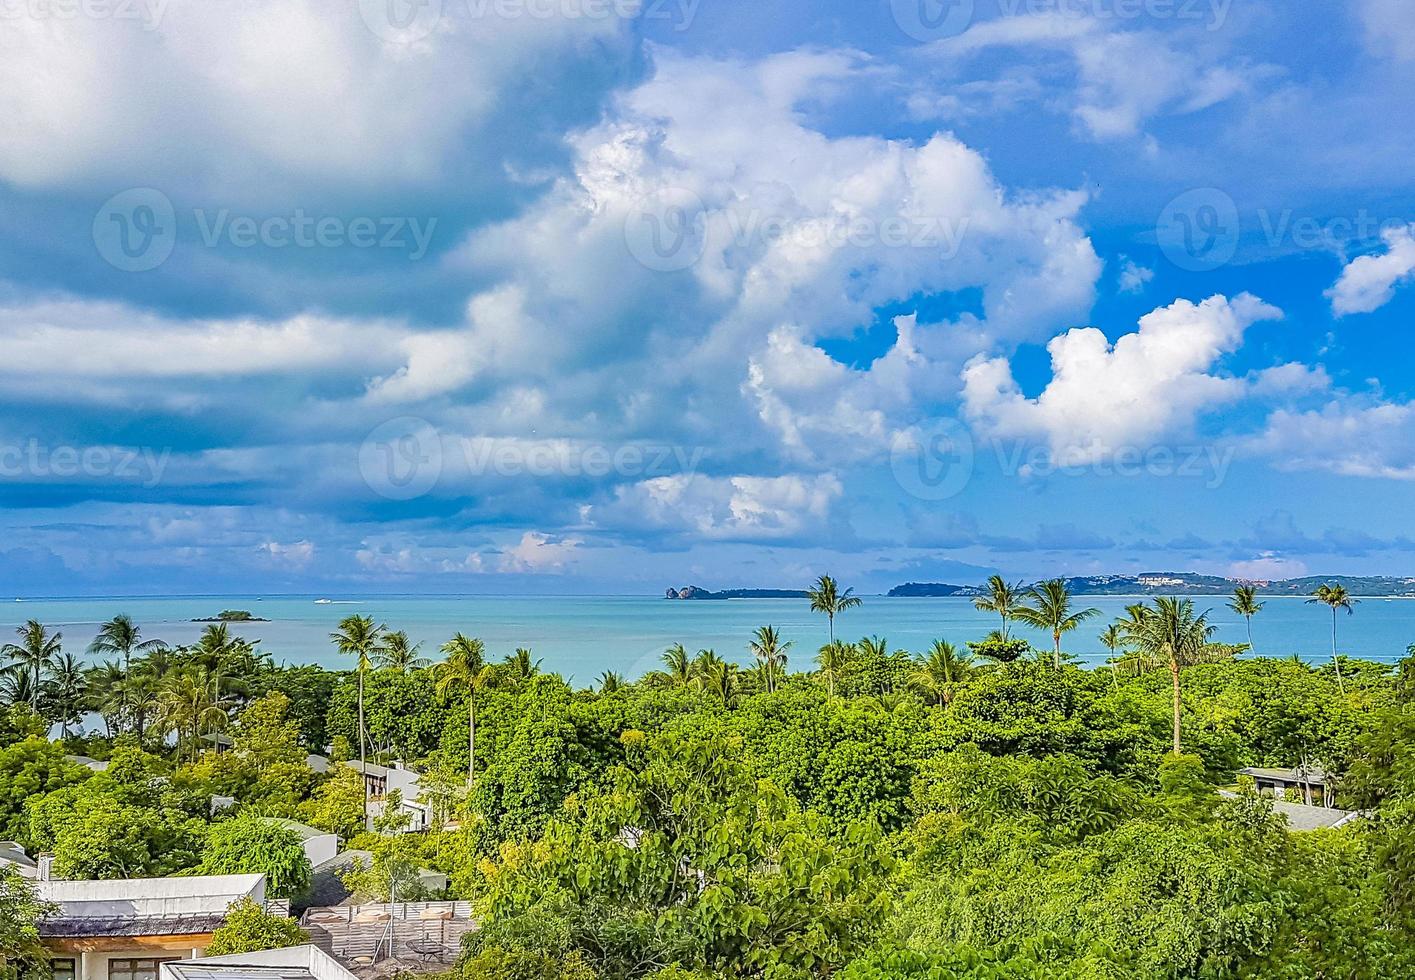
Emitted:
pixel 694 592
pixel 1188 583
pixel 232 616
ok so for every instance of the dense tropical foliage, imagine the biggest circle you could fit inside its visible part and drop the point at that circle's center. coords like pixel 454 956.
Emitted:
pixel 976 809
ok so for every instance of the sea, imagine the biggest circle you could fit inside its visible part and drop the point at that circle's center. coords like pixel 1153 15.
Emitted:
pixel 580 637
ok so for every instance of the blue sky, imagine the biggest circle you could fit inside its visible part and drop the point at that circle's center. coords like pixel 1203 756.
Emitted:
pixel 605 296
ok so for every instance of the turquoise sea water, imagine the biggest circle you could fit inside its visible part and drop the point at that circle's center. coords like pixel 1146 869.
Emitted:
pixel 582 636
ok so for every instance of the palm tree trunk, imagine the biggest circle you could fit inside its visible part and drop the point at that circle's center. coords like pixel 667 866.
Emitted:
pixel 1056 651
pixel 1250 634
pixel 1174 676
pixel 363 760
pixel 1335 660
pixel 831 618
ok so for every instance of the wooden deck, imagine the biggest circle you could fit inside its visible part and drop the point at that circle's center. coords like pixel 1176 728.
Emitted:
pixel 359 935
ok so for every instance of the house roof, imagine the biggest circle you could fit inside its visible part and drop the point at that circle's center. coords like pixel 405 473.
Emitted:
pixel 12 853
pixel 143 906
pixel 1313 775
pixel 1302 817
pixel 288 963
pixel 303 830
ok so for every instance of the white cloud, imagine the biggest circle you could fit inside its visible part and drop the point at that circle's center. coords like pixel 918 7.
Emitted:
pixel 1133 278
pixel 738 508
pixel 296 554
pixel 1346 437
pixel 1267 568
pixel 1101 398
pixel 1112 99
pixel 1369 282
pixel 253 95
pixel 1390 27
pixel 539 553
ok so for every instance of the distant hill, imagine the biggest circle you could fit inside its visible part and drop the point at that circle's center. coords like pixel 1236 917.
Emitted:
pixel 694 592
pixel 1189 583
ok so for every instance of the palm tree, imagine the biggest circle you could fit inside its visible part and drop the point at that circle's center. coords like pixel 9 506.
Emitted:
pixel 770 652
pixel 17 686
pixel 1002 599
pixel 609 682
pixel 1171 635
pixel 1245 603
pixel 937 674
pixel 121 636
pixel 33 655
pixel 1336 597
pixel 188 702
pixel 465 672
pixel 216 651
pixel 105 693
pixel 398 654
pixel 360 637
pixel 1053 612
pixel 832 663
pixel 827 598
pixel 1112 638
pixel 68 691
pixel 518 668
pixel 719 678
pixel 679 664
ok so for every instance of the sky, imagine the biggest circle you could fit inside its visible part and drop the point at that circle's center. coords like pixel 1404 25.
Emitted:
pixel 607 296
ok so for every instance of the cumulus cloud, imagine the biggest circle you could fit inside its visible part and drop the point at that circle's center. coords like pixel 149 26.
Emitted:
pixel 539 553
pixel 1133 278
pixel 739 508
pixel 1349 436
pixel 1102 397
pixel 245 97
pixel 1111 99
pixel 1369 281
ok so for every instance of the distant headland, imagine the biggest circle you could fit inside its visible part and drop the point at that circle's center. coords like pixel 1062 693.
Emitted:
pixel 694 592
pixel 1190 583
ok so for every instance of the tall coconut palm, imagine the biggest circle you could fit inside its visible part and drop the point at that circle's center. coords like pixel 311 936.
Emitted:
pixel 827 598
pixel 220 654
pixel 679 664
pixel 1112 638
pixel 832 662
pixel 770 651
pixel 37 650
pixel 399 654
pixel 187 704
pixel 719 679
pixel 121 637
pixel 1052 612
pixel 360 637
pixel 464 671
pixel 1171 635
pixel 1336 597
pixel 1245 603
pixel 1002 599
pixel 518 668
pixel 105 693
pixel 67 688
pixel 939 673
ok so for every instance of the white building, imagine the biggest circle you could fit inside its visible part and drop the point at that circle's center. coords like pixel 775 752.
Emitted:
pixel 126 929
pixel 381 780
pixel 291 963
pixel 319 845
